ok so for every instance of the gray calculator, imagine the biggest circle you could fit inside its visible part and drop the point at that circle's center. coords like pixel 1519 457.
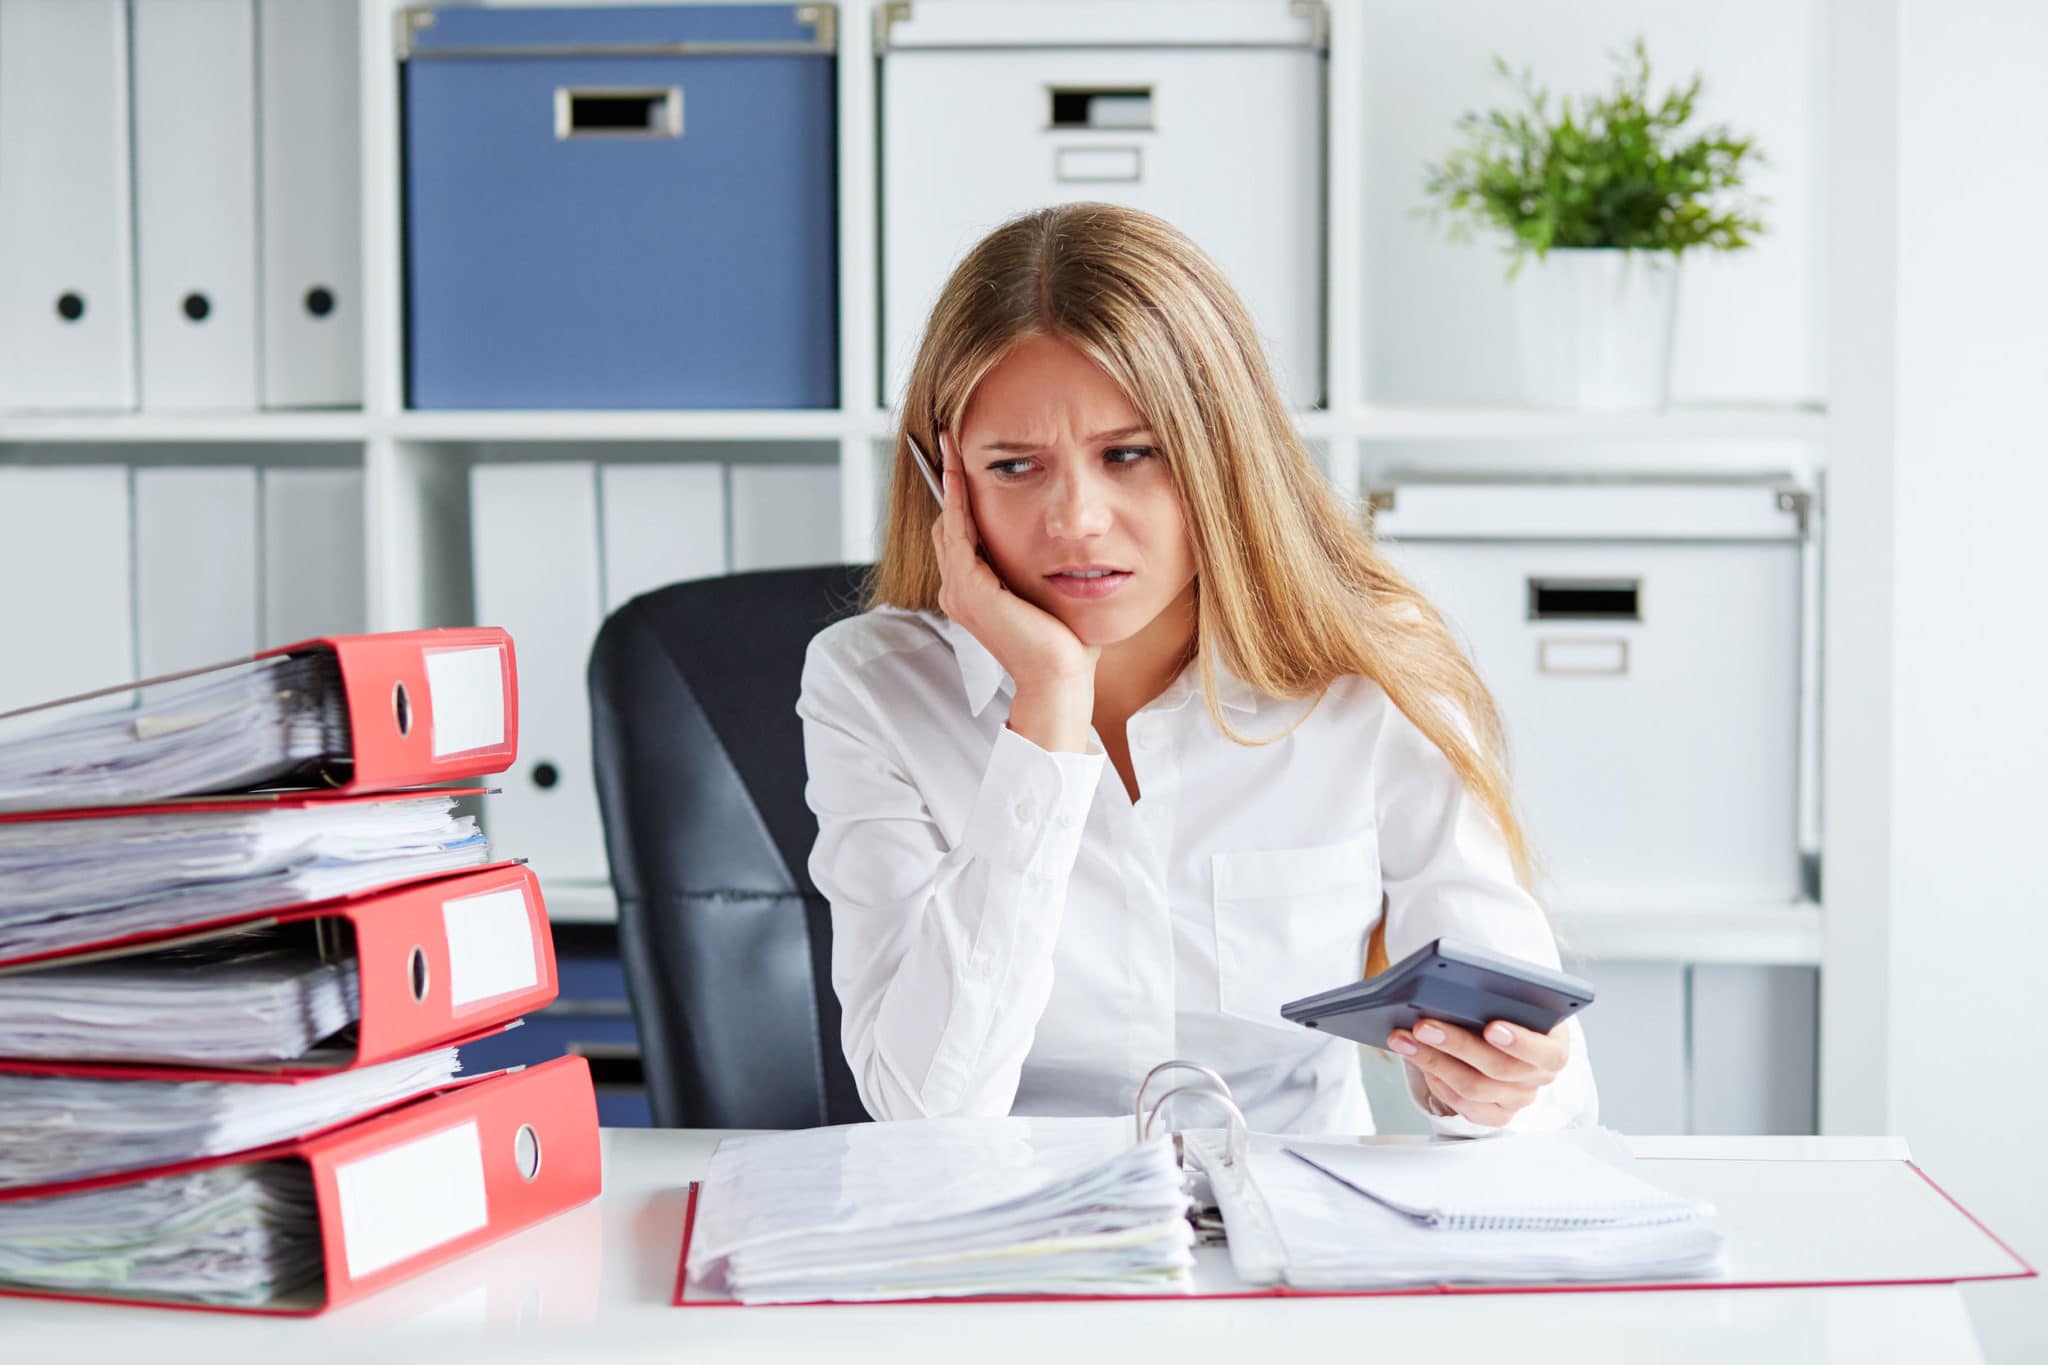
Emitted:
pixel 1448 980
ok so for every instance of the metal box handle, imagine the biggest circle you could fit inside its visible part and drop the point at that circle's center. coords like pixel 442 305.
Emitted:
pixel 610 112
pixel 1585 599
pixel 1123 107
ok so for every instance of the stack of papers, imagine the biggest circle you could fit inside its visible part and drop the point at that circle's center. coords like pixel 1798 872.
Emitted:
pixel 221 1006
pixel 1566 1206
pixel 236 1236
pixel 64 883
pixel 230 730
pixel 63 1128
pixel 942 1208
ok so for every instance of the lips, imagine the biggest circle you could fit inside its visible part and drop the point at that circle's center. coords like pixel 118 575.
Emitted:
pixel 1088 581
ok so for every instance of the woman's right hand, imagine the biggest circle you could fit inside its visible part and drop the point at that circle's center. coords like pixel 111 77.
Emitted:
pixel 1039 651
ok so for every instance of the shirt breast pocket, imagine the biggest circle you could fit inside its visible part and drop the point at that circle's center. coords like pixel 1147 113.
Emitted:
pixel 1291 922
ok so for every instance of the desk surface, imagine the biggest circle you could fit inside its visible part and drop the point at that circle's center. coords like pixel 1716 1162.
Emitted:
pixel 594 1285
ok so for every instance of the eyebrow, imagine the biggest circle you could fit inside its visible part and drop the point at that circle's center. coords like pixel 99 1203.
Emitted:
pixel 1026 447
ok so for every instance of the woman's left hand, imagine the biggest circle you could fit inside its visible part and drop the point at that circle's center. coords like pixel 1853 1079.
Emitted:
pixel 1486 1079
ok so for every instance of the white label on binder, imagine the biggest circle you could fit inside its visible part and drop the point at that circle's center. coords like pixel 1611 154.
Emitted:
pixel 490 945
pixel 468 687
pixel 411 1198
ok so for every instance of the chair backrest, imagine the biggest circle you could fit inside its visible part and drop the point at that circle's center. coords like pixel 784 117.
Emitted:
pixel 727 945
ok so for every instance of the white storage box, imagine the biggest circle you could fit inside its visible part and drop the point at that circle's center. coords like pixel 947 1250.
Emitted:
pixel 1206 113
pixel 1643 644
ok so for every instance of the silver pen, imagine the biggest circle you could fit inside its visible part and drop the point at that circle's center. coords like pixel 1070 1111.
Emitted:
pixel 924 469
pixel 1429 1218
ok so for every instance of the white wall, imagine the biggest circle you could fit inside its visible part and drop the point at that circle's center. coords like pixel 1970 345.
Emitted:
pixel 1942 477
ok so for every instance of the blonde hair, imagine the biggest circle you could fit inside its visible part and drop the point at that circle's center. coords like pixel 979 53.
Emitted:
pixel 1289 585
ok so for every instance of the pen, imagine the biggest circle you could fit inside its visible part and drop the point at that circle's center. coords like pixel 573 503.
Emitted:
pixel 1428 1218
pixel 923 469
pixel 980 552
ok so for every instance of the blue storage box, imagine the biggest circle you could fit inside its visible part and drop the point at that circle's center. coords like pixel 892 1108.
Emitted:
pixel 621 208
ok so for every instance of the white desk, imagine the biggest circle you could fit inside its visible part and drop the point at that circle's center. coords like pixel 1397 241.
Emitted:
pixel 595 1285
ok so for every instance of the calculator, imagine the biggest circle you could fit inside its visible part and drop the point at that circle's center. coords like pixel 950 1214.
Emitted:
pixel 1458 983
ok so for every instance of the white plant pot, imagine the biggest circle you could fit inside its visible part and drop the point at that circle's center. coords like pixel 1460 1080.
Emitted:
pixel 1595 327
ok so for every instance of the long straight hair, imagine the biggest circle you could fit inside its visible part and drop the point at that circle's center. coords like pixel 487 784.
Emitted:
pixel 1289 587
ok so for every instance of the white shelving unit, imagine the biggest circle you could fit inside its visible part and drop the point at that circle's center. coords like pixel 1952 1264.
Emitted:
pixel 415 463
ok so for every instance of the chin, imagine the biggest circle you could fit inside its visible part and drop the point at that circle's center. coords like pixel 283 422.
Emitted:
pixel 1108 623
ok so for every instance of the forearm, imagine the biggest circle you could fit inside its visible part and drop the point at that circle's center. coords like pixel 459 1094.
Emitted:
pixel 942 994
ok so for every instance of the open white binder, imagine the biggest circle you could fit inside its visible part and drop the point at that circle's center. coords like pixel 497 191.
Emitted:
pixel 1782 1221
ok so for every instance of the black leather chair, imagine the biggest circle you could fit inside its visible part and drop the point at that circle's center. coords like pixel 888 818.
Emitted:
pixel 727 945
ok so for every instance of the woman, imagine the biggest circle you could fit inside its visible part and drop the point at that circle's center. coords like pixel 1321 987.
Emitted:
pixel 1140 737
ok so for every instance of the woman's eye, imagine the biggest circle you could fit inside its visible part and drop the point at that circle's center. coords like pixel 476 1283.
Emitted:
pixel 1119 457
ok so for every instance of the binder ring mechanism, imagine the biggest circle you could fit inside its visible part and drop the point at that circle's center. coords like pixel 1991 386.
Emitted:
pixel 1238 1146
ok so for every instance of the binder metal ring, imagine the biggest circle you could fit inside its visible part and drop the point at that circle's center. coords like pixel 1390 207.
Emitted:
pixel 1237 1149
pixel 1138 1106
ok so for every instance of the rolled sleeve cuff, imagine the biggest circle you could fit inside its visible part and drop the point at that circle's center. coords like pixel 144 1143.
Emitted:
pixel 1033 805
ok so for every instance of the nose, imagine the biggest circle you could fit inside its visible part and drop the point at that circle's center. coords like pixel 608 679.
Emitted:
pixel 1080 506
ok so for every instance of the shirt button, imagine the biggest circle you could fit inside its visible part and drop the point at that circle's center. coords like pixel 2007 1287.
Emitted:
pixel 1064 821
pixel 983 965
pixel 1024 810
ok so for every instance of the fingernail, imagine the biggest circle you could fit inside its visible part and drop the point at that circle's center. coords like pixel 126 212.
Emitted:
pixel 946 480
pixel 1401 1045
pixel 1429 1033
pixel 1500 1035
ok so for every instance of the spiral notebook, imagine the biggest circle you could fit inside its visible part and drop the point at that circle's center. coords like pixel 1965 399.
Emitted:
pixel 1279 1216
pixel 1548 1208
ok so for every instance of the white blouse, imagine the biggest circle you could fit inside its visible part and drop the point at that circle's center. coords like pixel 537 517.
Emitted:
pixel 1011 934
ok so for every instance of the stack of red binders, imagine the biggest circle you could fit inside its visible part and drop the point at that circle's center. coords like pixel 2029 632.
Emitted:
pixel 242 941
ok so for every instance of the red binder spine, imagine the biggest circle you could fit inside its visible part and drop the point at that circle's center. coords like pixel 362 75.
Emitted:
pixel 441 961
pixel 426 706
pixel 401 1192
pixel 424 1184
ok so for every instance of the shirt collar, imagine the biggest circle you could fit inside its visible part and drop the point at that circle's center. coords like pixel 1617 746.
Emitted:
pixel 981 677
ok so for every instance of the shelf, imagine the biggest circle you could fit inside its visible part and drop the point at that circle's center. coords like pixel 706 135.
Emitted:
pixel 1691 423
pixel 114 428
pixel 1369 424
pixel 1314 423
pixel 251 427
pixel 649 425
pixel 1762 935
pixel 580 902
pixel 1769 935
pixel 1426 423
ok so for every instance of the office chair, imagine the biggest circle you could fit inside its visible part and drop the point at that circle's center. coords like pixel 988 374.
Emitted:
pixel 726 944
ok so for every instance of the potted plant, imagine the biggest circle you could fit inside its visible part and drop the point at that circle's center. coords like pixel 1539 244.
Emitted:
pixel 1607 197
